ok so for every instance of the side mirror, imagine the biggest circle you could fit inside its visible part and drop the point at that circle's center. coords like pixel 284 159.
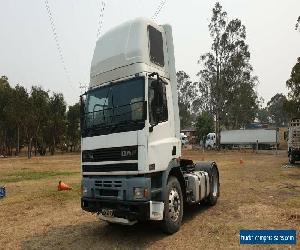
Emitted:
pixel 82 109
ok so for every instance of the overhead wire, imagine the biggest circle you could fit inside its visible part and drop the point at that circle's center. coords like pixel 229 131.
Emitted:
pixel 101 17
pixel 57 43
pixel 83 87
pixel 158 10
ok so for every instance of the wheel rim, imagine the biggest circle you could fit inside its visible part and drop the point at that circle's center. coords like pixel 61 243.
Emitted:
pixel 215 184
pixel 174 204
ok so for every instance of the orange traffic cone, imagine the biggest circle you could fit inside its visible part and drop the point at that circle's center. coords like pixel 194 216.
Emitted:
pixel 62 186
pixel 241 161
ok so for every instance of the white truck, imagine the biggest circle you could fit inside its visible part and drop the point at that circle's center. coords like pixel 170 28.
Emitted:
pixel 294 140
pixel 131 162
pixel 263 138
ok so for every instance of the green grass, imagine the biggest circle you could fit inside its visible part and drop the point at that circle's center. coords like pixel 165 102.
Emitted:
pixel 32 175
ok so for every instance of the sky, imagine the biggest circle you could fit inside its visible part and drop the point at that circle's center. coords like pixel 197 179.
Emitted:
pixel 29 56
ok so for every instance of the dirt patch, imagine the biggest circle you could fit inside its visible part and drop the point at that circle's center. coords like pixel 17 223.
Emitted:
pixel 255 194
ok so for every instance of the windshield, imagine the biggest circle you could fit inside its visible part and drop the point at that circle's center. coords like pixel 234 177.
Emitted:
pixel 115 104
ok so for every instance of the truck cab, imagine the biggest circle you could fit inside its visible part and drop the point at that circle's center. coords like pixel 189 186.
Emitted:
pixel 210 142
pixel 131 149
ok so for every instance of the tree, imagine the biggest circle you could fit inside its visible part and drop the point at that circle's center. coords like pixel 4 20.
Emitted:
pixel 18 113
pixel 186 97
pixel 57 121
pixel 263 115
pixel 204 125
pixel 226 84
pixel 39 101
pixel 276 110
pixel 292 106
pixel 293 84
pixel 5 128
pixel 35 119
pixel 73 126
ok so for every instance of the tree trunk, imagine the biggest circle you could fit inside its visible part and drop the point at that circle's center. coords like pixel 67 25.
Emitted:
pixel 218 136
pixel 18 141
pixel 29 148
pixel 53 147
pixel 35 147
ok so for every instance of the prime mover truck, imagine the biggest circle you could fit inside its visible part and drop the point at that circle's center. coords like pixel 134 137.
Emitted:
pixel 131 162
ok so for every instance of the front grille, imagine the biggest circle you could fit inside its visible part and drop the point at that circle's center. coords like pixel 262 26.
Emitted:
pixel 110 167
pixel 110 154
pixel 108 183
pixel 110 188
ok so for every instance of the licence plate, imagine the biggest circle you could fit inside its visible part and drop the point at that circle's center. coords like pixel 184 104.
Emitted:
pixel 107 212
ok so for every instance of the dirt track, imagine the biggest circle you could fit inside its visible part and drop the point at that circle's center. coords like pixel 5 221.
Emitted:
pixel 258 194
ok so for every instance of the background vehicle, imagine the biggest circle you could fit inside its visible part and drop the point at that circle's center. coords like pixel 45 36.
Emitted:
pixel 184 139
pixel 294 140
pixel 132 168
pixel 266 138
pixel 210 141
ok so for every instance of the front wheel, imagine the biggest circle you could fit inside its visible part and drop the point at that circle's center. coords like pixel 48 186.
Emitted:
pixel 173 210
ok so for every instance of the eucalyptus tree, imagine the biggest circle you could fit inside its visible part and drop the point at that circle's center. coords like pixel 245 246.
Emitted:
pixel 187 95
pixel 276 110
pixel 292 106
pixel 73 126
pixel 57 121
pixel 226 81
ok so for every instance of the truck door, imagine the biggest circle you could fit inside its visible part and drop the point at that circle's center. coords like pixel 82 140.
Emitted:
pixel 162 143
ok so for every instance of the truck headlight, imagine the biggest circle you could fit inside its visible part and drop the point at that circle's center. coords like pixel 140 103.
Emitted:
pixel 84 190
pixel 140 193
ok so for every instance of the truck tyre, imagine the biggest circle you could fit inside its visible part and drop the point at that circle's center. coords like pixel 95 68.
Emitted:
pixel 291 159
pixel 214 187
pixel 173 210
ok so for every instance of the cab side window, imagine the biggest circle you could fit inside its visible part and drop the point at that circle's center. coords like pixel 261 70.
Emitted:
pixel 157 99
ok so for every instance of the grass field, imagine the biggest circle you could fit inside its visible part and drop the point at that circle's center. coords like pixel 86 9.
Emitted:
pixel 261 193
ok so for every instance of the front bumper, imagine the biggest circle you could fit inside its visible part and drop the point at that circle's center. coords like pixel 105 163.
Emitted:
pixel 130 210
pixel 295 153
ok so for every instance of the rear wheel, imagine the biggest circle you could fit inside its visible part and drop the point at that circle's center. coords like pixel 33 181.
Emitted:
pixel 173 210
pixel 214 187
pixel 291 159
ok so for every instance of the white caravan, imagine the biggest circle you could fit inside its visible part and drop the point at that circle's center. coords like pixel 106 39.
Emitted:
pixel 131 150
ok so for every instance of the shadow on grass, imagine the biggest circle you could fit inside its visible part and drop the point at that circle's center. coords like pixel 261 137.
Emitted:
pixel 100 235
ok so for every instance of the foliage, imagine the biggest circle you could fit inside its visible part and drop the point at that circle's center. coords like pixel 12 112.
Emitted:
pixel 36 120
pixel 263 115
pixel 186 97
pixel 226 83
pixel 276 110
pixel 73 126
pixel 204 125
pixel 292 106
